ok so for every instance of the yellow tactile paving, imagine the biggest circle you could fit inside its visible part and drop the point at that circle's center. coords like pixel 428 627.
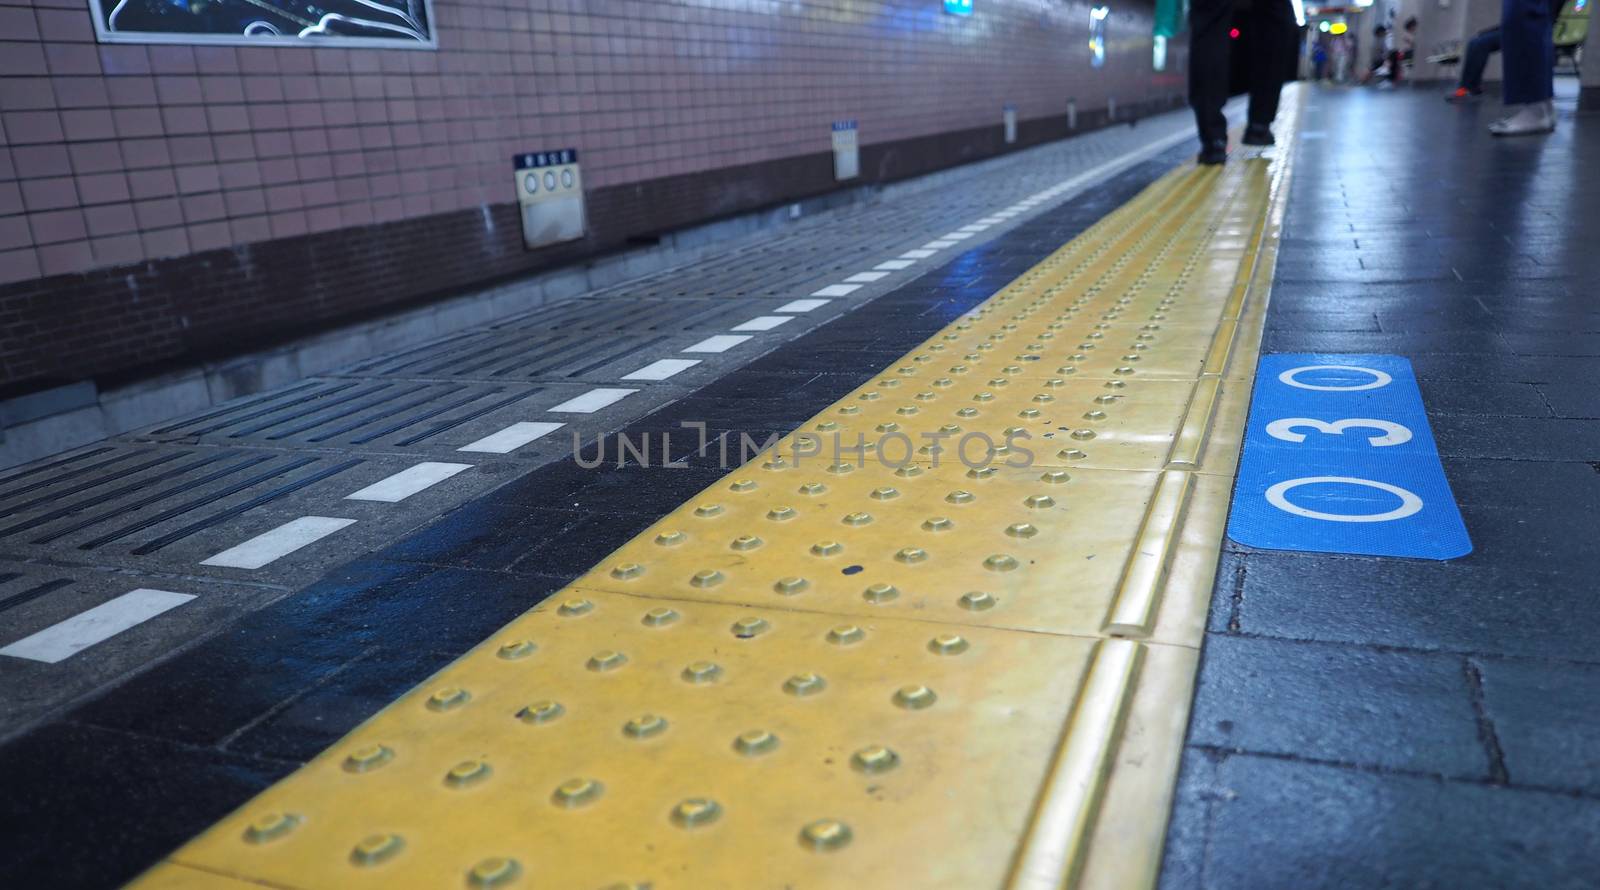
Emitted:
pixel 841 671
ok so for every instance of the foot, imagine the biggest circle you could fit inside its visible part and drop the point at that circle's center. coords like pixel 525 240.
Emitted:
pixel 1213 152
pixel 1258 134
pixel 1532 119
pixel 1462 96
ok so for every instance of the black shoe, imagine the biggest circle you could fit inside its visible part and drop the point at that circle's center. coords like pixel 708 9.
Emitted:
pixel 1258 134
pixel 1213 152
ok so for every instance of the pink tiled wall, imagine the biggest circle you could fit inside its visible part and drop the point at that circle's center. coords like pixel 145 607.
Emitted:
pixel 112 154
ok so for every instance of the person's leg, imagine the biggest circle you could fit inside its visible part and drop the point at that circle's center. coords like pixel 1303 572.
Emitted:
pixel 1476 59
pixel 1208 68
pixel 1273 59
pixel 1527 51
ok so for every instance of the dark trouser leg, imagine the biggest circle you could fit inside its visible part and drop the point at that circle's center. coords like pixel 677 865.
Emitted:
pixel 1208 66
pixel 1273 56
pixel 1477 58
pixel 1527 51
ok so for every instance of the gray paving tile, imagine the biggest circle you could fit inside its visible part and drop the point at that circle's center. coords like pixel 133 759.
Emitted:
pixel 1546 717
pixel 1342 703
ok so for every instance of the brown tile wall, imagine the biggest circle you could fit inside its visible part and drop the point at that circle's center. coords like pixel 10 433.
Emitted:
pixel 158 201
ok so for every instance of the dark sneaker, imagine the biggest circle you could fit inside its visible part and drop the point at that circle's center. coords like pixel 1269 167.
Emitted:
pixel 1213 152
pixel 1258 134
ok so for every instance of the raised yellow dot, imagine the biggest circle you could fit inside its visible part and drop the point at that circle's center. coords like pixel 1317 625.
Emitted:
pixel 812 489
pixel 660 616
pixel 517 649
pixel 960 496
pixel 915 697
pixel 627 570
pixel 448 698
pixel 947 644
pixel 742 485
pixel 606 660
pixel 708 510
pixel 880 593
pixel 976 601
pixel 702 672
pixel 911 555
pixel 782 514
pixel 368 758
pixel 1022 530
pixel 875 759
pixel 270 826
pixel 754 742
pixel 825 834
pixel 376 848
pixel 827 548
pixel 541 712
pixel 645 726
pixel 791 585
pixel 884 493
pixel 846 635
pixel 745 543
pixel 857 518
pixel 705 578
pixel 576 793
pixel 937 524
pixel 575 607
pixel 748 627
pixel 696 812
pixel 802 685
pixel 467 772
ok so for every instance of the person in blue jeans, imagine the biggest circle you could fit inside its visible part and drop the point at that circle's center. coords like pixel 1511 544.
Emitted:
pixel 1473 61
pixel 1529 57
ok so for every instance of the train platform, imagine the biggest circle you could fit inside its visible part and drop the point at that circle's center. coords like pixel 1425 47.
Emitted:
pixel 1083 519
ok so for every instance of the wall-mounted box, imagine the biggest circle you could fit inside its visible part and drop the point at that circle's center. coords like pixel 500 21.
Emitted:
pixel 550 193
pixel 846 150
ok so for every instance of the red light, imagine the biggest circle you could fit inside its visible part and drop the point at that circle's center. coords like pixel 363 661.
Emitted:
pixel 1233 33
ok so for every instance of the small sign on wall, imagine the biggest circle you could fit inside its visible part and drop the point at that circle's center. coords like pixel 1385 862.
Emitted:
pixel 846 150
pixel 1011 124
pixel 550 194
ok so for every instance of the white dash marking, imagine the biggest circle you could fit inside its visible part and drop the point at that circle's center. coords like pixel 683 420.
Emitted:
pixel 837 290
pixel 990 220
pixel 512 437
pixel 661 370
pixel 919 254
pixel 593 400
pixel 972 229
pixel 764 322
pixel 63 640
pixel 892 265
pixel 802 305
pixel 718 343
pixel 958 236
pixel 941 244
pixel 407 482
pixel 867 277
pixel 277 543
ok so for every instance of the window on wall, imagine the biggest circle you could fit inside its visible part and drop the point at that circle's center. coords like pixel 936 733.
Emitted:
pixel 392 23
pixel 1097 34
pixel 1158 53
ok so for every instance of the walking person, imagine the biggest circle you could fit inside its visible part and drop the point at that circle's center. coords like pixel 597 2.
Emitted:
pixel 1470 87
pixel 1528 55
pixel 1269 27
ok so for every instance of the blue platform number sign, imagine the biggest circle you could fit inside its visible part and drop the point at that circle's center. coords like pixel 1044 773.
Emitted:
pixel 958 7
pixel 1338 458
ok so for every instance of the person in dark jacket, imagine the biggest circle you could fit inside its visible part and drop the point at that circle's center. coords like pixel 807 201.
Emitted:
pixel 1271 26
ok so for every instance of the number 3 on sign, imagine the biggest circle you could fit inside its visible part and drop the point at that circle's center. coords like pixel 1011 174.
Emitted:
pixel 1393 433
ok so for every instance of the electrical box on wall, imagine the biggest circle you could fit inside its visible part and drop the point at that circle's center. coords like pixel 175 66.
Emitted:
pixel 846 150
pixel 550 194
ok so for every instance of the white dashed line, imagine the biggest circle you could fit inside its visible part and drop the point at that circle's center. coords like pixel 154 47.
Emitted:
pixel 920 254
pixel 837 290
pixel 661 370
pixel 941 244
pixel 719 343
pixel 512 437
pixel 990 220
pixel 866 277
pixel 277 543
pixel 958 236
pixel 802 305
pixel 893 265
pixel 407 482
pixel 63 640
pixel 593 401
pixel 764 322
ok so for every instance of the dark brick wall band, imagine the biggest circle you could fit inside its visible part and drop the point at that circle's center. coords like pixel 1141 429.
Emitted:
pixel 123 323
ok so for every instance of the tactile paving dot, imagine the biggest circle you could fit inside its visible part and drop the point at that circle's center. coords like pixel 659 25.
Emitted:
pixel 921 739
pixel 1046 546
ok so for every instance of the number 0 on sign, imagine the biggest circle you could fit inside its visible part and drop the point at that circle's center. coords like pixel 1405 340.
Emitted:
pixel 1338 458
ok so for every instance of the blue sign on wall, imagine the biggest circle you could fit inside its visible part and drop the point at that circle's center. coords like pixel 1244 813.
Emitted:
pixel 1338 458
pixel 958 7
